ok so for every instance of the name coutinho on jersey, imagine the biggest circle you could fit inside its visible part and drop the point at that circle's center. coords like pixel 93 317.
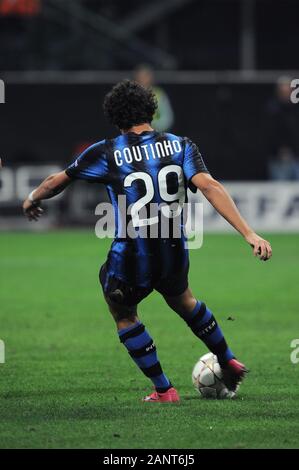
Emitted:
pixel 148 151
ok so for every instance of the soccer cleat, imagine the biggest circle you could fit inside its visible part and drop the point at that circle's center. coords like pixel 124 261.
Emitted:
pixel 171 396
pixel 233 373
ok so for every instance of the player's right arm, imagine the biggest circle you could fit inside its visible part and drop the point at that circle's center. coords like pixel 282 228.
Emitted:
pixel 91 166
pixel 220 199
pixel 50 187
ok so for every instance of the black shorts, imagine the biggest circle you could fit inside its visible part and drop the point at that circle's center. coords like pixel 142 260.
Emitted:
pixel 124 294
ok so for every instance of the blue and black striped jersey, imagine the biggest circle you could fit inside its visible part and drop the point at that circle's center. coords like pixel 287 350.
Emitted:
pixel 146 168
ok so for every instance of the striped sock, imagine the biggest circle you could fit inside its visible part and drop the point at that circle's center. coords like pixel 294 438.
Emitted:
pixel 204 325
pixel 143 351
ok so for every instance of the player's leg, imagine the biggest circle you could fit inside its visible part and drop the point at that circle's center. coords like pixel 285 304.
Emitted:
pixel 133 335
pixel 204 325
pixel 202 322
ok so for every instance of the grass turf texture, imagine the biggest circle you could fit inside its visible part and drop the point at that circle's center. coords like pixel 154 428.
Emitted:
pixel 68 382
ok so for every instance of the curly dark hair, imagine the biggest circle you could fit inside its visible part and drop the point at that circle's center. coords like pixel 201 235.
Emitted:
pixel 129 104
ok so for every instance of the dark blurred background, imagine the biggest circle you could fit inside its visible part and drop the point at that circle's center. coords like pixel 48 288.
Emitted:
pixel 222 71
pixel 173 34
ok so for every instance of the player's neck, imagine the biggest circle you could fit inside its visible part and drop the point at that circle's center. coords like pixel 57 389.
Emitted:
pixel 139 129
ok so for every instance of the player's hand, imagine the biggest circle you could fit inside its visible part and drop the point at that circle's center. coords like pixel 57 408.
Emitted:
pixel 261 248
pixel 32 210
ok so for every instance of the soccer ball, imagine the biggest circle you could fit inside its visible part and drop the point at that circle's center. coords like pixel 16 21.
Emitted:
pixel 207 378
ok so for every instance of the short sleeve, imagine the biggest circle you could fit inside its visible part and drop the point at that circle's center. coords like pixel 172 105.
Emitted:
pixel 193 162
pixel 91 165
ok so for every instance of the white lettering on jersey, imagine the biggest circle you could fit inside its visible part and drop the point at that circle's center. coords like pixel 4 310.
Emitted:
pixel 147 151
pixel 117 157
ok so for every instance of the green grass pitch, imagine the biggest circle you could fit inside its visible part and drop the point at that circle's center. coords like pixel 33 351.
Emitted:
pixel 68 382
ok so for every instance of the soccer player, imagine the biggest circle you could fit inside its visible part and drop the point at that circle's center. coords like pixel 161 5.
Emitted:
pixel 149 167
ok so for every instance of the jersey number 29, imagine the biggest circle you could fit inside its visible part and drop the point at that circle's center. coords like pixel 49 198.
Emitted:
pixel 166 197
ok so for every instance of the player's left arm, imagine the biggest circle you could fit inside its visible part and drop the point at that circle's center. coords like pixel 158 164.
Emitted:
pixel 50 187
pixel 220 199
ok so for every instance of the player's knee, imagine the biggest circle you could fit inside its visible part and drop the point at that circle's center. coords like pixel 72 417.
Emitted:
pixel 128 317
pixel 186 306
pixel 120 312
pixel 182 304
pixel 125 317
pixel 189 304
